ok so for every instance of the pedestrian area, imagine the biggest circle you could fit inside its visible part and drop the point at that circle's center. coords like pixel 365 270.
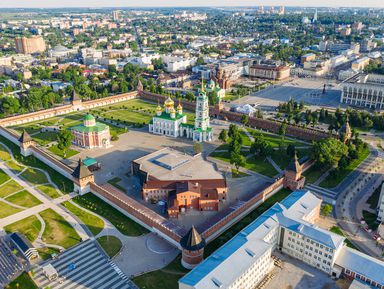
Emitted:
pixel 85 266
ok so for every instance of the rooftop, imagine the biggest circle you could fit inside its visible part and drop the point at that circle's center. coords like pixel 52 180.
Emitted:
pixel 98 127
pixel 169 164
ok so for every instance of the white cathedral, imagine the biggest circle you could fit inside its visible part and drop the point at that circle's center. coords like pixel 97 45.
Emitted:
pixel 172 122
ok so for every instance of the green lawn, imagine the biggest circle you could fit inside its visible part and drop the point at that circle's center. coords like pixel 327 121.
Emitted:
pixel 49 190
pixel 114 182
pixel 9 188
pixel 64 184
pixel 371 220
pixel 58 231
pixel 169 276
pixel 22 282
pixel 274 139
pixel 373 200
pixel 282 159
pixel 16 168
pixel 24 199
pixel 127 117
pixel 30 227
pixel 260 165
pixel 94 223
pixel 314 173
pixel 45 138
pixel 163 278
pixel 333 180
pixel 46 252
pixel 70 152
pixel 3 177
pixel 7 210
pixel 111 245
pixel 124 224
pixel 34 176
pixel 4 154
pixel 338 231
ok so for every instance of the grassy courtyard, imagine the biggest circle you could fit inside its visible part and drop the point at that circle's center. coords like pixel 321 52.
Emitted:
pixel 70 152
pixel 58 231
pixel 124 224
pixel 34 176
pixel 24 199
pixel 49 190
pixel 7 210
pixel 9 188
pixel 94 223
pixel 3 177
pixel 30 227
pixel 111 245
pixel 4 154
pixel 22 282
pixel 64 184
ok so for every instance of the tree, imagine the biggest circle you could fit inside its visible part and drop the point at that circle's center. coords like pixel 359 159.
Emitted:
pixel 260 147
pixel 200 61
pixel 197 148
pixel 291 150
pixel 237 159
pixel 223 135
pixel 64 139
pixel 233 130
pixel 328 151
pixel 244 119
pixel 326 210
pixel 283 129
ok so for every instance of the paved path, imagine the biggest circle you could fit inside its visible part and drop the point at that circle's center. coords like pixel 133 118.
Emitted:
pixel 272 162
pixel 47 203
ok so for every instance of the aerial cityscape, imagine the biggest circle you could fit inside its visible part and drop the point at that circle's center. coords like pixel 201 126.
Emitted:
pixel 208 146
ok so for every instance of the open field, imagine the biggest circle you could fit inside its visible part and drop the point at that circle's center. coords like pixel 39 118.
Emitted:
pixel 4 154
pixel 9 188
pixel 111 245
pixel 58 231
pixel 3 177
pixel 124 224
pixel 24 199
pixel 49 190
pixel 94 223
pixel 70 152
pixel 34 176
pixel 30 227
pixel 7 210
pixel 64 184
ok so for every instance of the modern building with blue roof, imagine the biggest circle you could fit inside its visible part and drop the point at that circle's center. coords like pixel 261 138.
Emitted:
pixel 288 226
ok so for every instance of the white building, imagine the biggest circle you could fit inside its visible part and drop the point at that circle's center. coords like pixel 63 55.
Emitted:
pixel 289 226
pixel 380 206
pixel 364 90
pixel 174 64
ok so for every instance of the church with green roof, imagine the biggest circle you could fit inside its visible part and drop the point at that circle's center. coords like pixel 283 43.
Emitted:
pixel 91 134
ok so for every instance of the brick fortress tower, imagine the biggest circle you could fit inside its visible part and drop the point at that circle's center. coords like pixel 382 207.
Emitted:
pixel 193 249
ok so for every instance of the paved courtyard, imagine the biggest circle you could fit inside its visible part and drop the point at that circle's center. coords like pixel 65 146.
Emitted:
pixel 298 275
pixel 298 89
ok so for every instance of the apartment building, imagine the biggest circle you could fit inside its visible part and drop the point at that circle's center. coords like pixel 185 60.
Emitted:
pixel 34 44
pixel 380 206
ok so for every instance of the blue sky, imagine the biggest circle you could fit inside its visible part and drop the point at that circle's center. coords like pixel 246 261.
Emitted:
pixel 142 3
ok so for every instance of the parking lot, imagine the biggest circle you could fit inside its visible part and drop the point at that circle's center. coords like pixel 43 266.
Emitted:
pixel 311 91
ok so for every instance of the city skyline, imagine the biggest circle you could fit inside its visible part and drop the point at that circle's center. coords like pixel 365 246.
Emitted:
pixel 181 3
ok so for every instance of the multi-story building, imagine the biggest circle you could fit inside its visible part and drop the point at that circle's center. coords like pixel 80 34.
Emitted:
pixel 367 45
pixel 270 71
pixel 380 206
pixel 364 90
pixel 307 57
pixel 290 227
pixel 360 63
pixel 34 44
pixel 185 182
pixel 91 134
pixel 116 15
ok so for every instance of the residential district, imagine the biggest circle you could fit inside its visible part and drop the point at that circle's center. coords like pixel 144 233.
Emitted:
pixel 180 148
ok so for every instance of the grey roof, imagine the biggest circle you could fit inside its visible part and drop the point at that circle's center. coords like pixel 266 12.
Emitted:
pixel 81 171
pixel 23 243
pixel 362 264
pixel 25 137
pixel 294 164
pixel 192 240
